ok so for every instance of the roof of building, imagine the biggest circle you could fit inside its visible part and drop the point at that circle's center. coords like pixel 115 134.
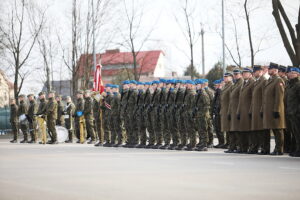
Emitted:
pixel 146 61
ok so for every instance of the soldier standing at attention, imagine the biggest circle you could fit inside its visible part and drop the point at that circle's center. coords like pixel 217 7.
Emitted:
pixel 273 107
pixel 150 95
pixel 157 115
pixel 22 112
pixel 259 137
pixel 106 109
pixel 242 115
pixel 140 117
pixel 231 115
pixel 69 113
pixel 60 108
pixel 89 116
pixel 51 114
pixel 31 118
pixel 293 106
pixel 14 120
pixel 201 115
pixel 130 109
pixel 225 101
pixel 123 104
pixel 210 127
pixel 216 107
pixel 78 113
pixel 116 128
pixel 42 112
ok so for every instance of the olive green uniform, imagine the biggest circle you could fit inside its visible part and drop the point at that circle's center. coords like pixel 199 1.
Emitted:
pixel 140 117
pixel 116 126
pixel 106 109
pixel 216 108
pixel 23 124
pixel 171 119
pixel 69 119
pixel 148 113
pixel 51 113
pixel 179 104
pixel 14 121
pixel 132 133
pixel 156 117
pixel 32 109
pixel 123 105
pixel 89 117
pixel 79 108
pixel 60 115
pixel 210 127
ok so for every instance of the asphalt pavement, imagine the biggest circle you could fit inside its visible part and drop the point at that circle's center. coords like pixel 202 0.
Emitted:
pixel 84 172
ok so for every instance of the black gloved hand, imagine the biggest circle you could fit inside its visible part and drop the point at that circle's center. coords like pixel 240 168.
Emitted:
pixel 276 115
pixel 229 117
pixel 250 115
pixel 238 116
pixel 261 114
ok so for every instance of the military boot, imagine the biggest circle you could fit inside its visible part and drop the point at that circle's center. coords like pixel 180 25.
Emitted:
pixel 14 141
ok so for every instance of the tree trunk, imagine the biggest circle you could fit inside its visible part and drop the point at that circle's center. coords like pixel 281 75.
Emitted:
pixel 249 33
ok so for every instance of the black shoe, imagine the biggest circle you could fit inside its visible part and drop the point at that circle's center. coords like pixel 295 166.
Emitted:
pixel 295 154
pixel 42 143
pixel 157 146
pixel 149 146
pixel 99 144
pixel 180 147
pixel 166 146
pixel 189 148
pixel 78 141
pixel 172 146
pixel 32 142
pixel 133 146
pixel 13 141
pixel 69 141
pixel 108 144
pixel 263 153
pixel 141 146
pixel 54 142
pixel 210 146
pixel 229 151
pixel 118 145
pixel 24 141
pixel 91 142
pixel 202 148
pixel 218 146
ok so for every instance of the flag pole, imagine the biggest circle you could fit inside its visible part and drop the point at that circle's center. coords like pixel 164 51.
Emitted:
pixel 223 37
pixel 93 21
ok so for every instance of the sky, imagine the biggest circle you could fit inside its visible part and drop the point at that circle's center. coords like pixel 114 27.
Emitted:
pixel 168 34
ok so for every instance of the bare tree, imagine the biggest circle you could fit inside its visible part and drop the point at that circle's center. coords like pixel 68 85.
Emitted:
pixel 292 46
pixel 20 34
pixel 191 35
pixel 249 32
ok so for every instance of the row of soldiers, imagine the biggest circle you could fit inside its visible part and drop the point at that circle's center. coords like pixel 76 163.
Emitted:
pixel 252 106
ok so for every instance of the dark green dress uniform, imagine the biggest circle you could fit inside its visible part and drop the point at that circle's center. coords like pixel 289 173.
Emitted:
pixel 106 109
pixel 60 114
pixel 210 128
pixel 51 114
pixel 141 118
pixel 32 110
pixel 201 117
pixel 79 108
pixel 116 128
pixel 69 113
pixel 171 120
pixel 293 111
pixel 216 108
pixel 179 104
pixel 14 121
pixel 148 113
pixel 189 104
pixel 273 111
pixel 234 122
pixel 89 118
pixel 23 124
pixel 131 107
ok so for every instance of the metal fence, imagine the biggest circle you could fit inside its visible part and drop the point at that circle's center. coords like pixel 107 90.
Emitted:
pixel 4 120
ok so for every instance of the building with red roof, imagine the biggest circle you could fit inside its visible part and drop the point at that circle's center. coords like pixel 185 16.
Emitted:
pixel 149 64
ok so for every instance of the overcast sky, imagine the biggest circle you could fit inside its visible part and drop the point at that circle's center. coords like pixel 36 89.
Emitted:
pixel 168 34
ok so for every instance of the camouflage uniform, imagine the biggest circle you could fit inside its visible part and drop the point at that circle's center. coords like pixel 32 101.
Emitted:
pixel 123 104
pixel 69 119
pixel 24 124
pixel 14 121
pixel 32 121
pixel 60 115
pixel 79 108
pixel 140 117
pixel 179 101
pixel 116 128
pixel 216 107
pixel 202 116
pixel 148 113
pixel 98 120
pixel 51 113
pixel 170 118
pixel 156 117
pixel 210 127
pixel 163 116
pixel 132 133
pixel 106 111
pixel 89 118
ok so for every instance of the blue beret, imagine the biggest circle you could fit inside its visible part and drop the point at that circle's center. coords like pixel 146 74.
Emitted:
pixel 179 81
pixel 162 80
pixel 247 70
pixel 216 82
pixel 114 86
pixel 133 82
pixel 273 65
pixel 139 83
pixel 148 83
pixel 236 71
pixel 108 85
pixel 126 82
pixel 190 82
pixel 155 82
pixel 205 80
pixel 294 69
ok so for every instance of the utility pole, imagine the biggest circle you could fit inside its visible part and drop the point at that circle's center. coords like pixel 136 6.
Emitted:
pixel 203 59
pixel 223 37
pixel 94 53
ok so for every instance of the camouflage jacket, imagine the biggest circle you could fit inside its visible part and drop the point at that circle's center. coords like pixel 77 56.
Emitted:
pixel 51 109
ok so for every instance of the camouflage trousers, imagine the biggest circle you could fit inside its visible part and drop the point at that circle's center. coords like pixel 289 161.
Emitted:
pixel 150 121
pixel 132 134
pixel 90 128
pixel 15 129
pixel 99 129
pixel 166 134
pixel 210 130
pixel 141 126
pixel 201 125
pixel 116 130
pixel 158 126
pixel 182 132
pixel 190 128
pixel 24 129
pixel 217 126
pixel 295 130
pixel 172 128
pixel 32 130
pixel 107 127
pixel 51 129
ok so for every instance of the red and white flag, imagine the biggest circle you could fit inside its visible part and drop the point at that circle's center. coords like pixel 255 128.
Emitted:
pixel 98 84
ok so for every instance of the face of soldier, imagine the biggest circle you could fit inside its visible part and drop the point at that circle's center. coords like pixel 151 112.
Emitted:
pixel 258 73
pixel 87 95
pixel 292 75
pixel 169 86
pixel 42 96
pixel 227 79
pixel 273 72
pixel 50 95
pixel 57 99
pixel 246 75
pixel 198 86
pixel 154 86
pixel 133 86
pixel 177 85
pixel 182 86
pixel 282 74
pixel 160 85
pixel 12 102
pixel 237 76
pixel 125 87
pixel 108 89
pixel 68 100
pixel 79 96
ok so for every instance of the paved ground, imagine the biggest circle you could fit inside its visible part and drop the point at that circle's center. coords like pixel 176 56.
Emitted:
pixel 73 171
